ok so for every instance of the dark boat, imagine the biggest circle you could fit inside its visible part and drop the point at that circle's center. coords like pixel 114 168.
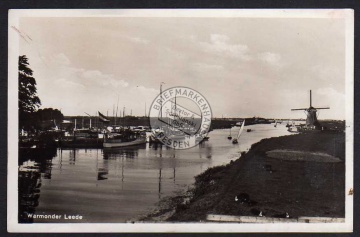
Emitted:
pixel 82 138
pixel 230 137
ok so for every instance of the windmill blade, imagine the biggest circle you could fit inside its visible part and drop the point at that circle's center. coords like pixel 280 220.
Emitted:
pixel 299 109
pixel 323 108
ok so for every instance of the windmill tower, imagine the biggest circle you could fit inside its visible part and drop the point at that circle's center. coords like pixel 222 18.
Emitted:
pixel 311 115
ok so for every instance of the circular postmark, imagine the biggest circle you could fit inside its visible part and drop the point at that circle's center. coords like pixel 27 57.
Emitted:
pixel 180 118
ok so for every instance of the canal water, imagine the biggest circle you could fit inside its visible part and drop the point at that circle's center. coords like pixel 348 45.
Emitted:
pixel 115 185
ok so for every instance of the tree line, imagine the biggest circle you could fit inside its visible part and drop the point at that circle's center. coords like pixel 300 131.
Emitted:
pixel 31 118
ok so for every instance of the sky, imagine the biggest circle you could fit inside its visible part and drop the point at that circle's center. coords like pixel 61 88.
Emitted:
pixel 244 67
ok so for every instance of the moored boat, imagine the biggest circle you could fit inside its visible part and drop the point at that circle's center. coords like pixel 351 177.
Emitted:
pixel 124 139
pixel 293 129
pixel 82 138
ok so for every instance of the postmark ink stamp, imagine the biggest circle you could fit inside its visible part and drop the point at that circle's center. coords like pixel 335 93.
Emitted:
pixel 180 118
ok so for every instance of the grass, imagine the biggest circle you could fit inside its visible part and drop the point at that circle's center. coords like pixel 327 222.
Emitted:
pixel 301 188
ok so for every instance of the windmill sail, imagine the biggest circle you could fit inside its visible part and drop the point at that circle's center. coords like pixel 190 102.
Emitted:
pixel 311 114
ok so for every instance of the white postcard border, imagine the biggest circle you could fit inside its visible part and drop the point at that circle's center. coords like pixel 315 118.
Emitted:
pixel 13 49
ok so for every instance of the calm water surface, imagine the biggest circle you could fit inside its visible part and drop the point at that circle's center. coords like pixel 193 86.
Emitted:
pixel 115 185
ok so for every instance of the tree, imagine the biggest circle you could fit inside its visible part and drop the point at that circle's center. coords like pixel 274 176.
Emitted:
pixel 28 99
pixel 47 118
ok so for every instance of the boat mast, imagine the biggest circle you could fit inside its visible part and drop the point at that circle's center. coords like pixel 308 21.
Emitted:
pixel 89 117
pixel 113 111
pixel 117 109
pixel 124 116
pixel 161 100
pixel 175 107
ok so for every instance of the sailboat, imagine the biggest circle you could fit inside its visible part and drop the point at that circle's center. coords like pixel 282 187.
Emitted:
pixel 288 124
pixel 230 137
pixel 235 140
pixel 174 132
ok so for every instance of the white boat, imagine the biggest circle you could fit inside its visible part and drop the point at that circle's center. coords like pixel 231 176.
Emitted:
pixel 120 140
pixel 174 134
pixel 293 128
pixel 235 140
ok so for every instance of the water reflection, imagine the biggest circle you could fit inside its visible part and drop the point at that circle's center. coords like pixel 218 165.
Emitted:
pixel 128 152
pixel 114 185
pixel 160 151
pixel 34 165
pixel 72 157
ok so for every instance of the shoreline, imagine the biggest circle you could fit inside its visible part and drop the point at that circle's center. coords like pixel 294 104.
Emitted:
pixel 273 186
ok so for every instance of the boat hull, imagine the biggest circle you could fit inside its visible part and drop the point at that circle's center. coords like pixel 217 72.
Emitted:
pixel 82 143
pixel 293 129
pixel 110 144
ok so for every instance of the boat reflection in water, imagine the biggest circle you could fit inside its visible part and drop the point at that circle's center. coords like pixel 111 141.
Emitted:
pixel 34 166
pixel 126 152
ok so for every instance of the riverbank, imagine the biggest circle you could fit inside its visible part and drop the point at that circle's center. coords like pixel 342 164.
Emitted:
pixel 218 123
pixel 274 186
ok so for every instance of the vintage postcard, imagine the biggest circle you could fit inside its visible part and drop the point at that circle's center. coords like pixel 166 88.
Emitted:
pixel 180 120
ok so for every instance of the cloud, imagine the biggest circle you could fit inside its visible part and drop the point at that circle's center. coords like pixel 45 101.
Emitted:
pixel 219 44
pixel 68 84
pixel 100 78
pixel 328 91
pixel 68 76
pixel 139 40
pixel 145 89
pixel 143 93
pixel 271 58
pixel 61 60
pixel 206 67
pixel 328 96
pixel 326 73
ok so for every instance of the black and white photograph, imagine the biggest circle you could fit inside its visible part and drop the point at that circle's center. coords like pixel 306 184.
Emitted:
pixel 180 120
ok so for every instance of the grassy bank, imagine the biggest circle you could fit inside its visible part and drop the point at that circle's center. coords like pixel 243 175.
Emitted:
pixel 274 186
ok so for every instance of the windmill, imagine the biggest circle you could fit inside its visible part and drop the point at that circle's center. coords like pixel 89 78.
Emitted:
pixel 311 113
